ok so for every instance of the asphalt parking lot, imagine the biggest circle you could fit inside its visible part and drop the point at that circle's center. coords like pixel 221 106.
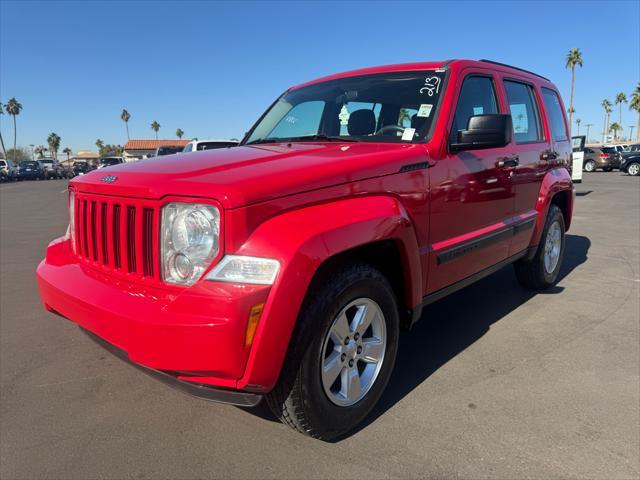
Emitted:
pixel 495 382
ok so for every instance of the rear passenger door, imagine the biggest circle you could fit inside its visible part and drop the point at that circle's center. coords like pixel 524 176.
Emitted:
pixel 531 148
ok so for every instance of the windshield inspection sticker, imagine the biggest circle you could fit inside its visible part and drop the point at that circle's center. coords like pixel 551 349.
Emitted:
pixel 425 110
pixel 408 133
pixel 431 86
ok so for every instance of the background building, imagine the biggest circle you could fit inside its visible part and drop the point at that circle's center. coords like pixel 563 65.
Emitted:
pixel 138 149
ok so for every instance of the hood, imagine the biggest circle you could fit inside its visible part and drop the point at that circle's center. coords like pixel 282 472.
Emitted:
pixel 241 176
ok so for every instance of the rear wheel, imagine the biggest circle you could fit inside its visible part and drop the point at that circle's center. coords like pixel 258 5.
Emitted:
pixel 590 166
pixel 341 355
pixel 543 269
pixel 607 169
pixel 633 169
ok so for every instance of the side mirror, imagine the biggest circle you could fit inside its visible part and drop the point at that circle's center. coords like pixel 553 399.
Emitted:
pixel 493 130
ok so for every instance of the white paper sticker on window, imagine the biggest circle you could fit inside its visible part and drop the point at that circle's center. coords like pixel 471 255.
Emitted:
pixel 408 133
pixel 478 110
pixel 344 115
pixel 425 110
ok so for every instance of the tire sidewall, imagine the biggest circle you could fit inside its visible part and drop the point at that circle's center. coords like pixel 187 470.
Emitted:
pixel 319 408
pixel 590 164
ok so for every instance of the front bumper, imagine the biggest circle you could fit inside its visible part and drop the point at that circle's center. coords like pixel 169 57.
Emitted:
pixel 194 334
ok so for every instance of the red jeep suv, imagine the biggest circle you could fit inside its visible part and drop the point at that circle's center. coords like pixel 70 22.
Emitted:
pixel 285 267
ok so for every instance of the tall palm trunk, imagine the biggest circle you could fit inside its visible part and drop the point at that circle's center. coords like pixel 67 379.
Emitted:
pixel 638 127
pixel 14 136
pixel 4 150
pixel 127 125
pixel 571 101
pixel 604 126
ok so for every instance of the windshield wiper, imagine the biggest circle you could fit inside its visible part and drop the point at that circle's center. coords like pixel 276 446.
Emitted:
pixel 322 136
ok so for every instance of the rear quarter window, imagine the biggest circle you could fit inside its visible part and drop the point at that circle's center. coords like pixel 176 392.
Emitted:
pixel 555 116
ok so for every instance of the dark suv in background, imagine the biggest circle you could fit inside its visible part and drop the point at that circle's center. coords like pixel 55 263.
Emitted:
pixel 605 158
pixel 32 170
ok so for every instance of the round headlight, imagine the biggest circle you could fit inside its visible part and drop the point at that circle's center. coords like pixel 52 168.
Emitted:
pixel 190 240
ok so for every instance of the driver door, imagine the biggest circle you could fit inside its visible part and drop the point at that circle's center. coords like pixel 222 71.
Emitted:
pixel 472 197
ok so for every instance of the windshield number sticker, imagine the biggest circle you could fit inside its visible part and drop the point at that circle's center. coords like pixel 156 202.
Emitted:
pixel 408 133
pixel 431 86
pixel 425 110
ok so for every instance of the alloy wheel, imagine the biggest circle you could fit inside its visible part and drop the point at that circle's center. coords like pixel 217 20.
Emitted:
pixel 353 352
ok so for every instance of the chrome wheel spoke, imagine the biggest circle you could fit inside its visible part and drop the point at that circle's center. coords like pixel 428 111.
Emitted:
pixel 362 319
pixel 372 350
pixel 350 384
pixel 340 329
pixel 332 367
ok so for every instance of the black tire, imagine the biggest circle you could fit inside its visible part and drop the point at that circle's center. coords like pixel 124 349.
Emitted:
pixel 531 273
pixel 633 169
pixel 607 169
pixel 299 399
pixel 590 166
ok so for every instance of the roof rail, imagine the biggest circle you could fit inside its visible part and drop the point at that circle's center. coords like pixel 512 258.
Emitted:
pixel 515 68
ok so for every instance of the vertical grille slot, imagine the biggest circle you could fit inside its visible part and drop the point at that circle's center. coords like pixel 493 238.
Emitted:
pixel 94 239
pixel 131 239
pixel 147 241
pixel 85 239
pixel 105 234
pixel 116 236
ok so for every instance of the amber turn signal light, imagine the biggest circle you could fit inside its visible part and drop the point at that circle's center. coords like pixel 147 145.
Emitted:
pixel 252 324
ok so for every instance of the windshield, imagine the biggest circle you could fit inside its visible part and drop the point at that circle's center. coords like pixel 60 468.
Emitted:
pixel 214 145
pixel 110 161
pixel 390 107
pixel 47 161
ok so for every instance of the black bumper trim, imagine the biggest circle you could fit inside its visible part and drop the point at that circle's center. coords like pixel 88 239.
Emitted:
pixel 206 392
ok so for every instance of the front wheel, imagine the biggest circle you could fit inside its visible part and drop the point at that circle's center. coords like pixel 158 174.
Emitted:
pixel 633 169
pixel 543 269
pixel 341 355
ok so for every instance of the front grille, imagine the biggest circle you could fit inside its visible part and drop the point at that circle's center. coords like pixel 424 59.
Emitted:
pixel 117 235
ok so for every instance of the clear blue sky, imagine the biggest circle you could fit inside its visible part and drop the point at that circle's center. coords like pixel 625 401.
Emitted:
pixel 211 68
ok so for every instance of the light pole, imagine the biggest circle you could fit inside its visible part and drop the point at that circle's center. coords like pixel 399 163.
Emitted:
pixel 32 154
pixel 631 127
pixel 589 125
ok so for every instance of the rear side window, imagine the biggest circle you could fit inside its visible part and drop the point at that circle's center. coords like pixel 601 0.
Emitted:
pixel 524 112
pixel 477 97
pixel 554 112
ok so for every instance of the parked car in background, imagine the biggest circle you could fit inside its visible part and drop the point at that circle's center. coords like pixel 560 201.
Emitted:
pixel 633 149
pixel 53 167
pixel 82 167
pixel 109 161
pixel 32 170
pixel 615 157
pixel 197 145
pixel 167 150
pixel 595 158
pixel 631 163
pixel 8 170
pixel 285 268
pixel 67 171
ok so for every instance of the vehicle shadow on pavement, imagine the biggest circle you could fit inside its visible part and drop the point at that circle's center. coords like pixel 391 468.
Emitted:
pixel 450 325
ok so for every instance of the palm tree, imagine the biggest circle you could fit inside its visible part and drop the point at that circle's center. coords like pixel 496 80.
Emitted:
pixel 99 144
pixel 620 99
pixel 615 127
pixel 67 152
pixel 606 105
pixel 179 133
pixel 155 126
pixel 578 122
pixel 4 150
pixel 39 150
pixel 574 57
pixel 54 144
pixel 634 104
pixel 125 116
pixel 13 108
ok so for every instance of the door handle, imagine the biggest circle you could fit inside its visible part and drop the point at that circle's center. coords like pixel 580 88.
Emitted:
pixel 546 156
pixel 507 162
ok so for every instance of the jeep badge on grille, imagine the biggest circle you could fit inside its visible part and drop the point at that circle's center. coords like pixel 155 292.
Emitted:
pixel 109 179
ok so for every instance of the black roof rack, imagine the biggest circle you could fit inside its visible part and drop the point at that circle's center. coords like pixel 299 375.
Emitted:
pixel 515 68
